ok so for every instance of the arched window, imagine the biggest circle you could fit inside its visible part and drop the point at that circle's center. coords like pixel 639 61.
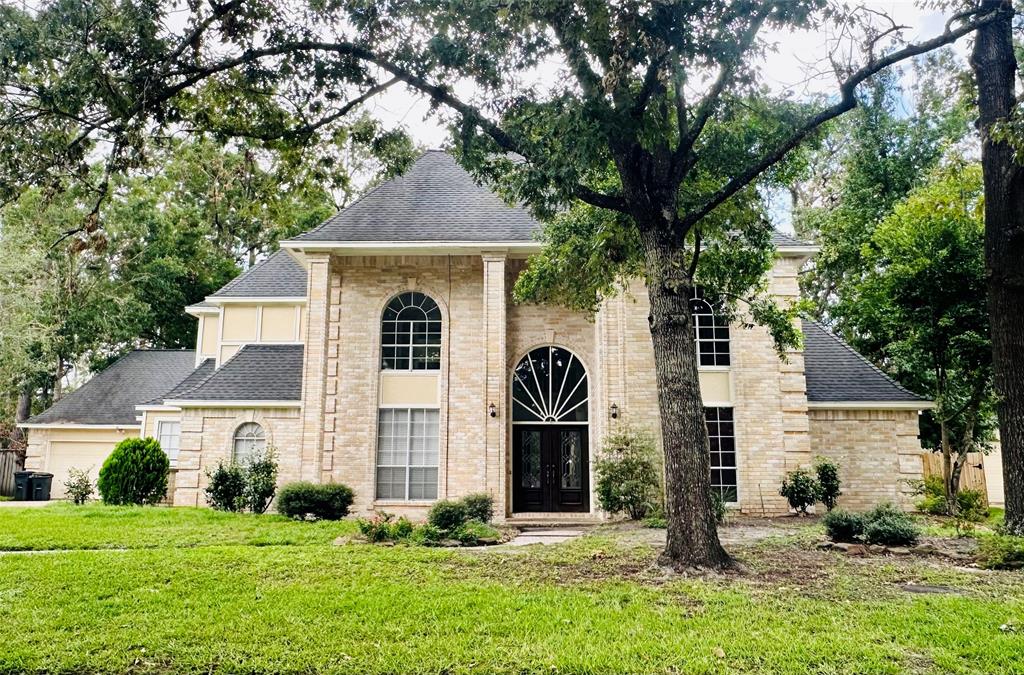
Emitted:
pixel 411 333
pixel 710 330
pixel 249 441
pixel 549 385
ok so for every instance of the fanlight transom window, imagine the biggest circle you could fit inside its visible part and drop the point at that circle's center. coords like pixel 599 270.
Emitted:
pixel 411 333
pixel 549 385
pixel 249 442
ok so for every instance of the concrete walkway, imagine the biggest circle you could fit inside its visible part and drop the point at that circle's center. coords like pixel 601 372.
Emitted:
pixel 545 535
pixel 23 505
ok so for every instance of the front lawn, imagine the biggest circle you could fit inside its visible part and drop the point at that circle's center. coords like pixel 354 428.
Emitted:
pixel 179 601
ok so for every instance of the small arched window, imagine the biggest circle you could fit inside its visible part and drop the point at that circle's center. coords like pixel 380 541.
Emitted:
pixel 411 333
pixel 249 442
pixel 710 330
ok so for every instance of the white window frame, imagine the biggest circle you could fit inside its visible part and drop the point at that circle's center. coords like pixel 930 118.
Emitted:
pixel 407 465
pixel 160 434
pixel 705 317
pixel 409 342
pixel 254 437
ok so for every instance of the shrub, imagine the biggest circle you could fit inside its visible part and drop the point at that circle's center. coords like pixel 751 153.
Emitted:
pixel 78 486
pixel 479 506
pixel 472 532
pixel 447 515
pixel 843 526
pixel 718 504
pixel 383 527
pixel 828 482
pixel 970 506
pixel 135 473
pixel 323 501
pixel 225 488
pixel 800 489
pixel 261 481
pixel 1001 552
pixel 887 525
pixel 628 479
pixel 426 535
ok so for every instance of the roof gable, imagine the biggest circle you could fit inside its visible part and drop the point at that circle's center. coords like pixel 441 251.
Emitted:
pixel 835 372
pixel 279 276
pixel 110 396
pixel 258 372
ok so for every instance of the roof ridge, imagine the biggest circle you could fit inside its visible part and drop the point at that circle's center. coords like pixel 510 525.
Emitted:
pixel 369 192
pixel 845 345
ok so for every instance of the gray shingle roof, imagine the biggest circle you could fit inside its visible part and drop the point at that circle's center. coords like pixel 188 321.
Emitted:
pixel 835 372
pixel 111 395
pixel 255 373
pixel 437 200
pixel 279 276
pixel 203 371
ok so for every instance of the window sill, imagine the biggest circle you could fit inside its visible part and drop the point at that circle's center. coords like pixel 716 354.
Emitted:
pixel 714 369
pixel 403 502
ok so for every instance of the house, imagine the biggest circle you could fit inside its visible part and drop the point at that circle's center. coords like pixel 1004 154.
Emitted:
pixel 383 350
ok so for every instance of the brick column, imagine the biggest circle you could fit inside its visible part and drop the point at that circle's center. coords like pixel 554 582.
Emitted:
pixel 314 367
pixel 495 360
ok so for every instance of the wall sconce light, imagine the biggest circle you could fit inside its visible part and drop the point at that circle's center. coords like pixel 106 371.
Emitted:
pixel 492 410
pixel 615 411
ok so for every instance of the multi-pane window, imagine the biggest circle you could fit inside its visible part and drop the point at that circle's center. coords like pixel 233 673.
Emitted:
pixel 722 435
pixel 407 441
pixel 168 434
pixel 710 330
pixel 411 333
pixel 249 441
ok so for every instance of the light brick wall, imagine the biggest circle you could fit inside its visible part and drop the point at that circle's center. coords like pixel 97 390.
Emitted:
pixel 878 451
pixel 207 437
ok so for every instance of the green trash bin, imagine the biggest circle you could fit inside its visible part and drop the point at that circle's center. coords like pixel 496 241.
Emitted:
pixel 22 485
pixel 41 483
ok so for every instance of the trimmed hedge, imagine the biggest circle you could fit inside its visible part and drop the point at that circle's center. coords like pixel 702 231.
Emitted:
pixel 135 473
pixel 323 501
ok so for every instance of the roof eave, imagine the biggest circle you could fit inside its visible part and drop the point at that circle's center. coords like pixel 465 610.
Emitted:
pixel 871 405
pixel 412 247
pixel 208 403
pixel 77 425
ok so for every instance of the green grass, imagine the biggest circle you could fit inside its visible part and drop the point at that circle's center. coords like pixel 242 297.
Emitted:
pixel 176 601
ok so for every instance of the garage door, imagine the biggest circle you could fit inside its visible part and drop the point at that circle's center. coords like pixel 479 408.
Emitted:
pixel 66 455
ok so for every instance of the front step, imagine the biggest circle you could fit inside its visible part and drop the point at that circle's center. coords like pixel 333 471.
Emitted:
pixel 552 520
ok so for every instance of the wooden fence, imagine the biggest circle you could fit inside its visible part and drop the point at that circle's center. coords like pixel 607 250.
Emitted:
pixel 972 476
pixel 8 465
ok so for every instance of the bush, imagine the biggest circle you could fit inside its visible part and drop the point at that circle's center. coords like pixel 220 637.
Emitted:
pixel 78 486
pixel 426 535
pixel 472 532
pixel 828 482
pixel 225 487
pixel 261 481
pixel 383 527
pixel 718 504
pixel 135 473
pixel 323 501
pixel 970 506
pixel 479 506
pixel 628 479
pixel 1001 552
pixel 888 526
pixel 800 489
pixel 447 515
pixel 843 526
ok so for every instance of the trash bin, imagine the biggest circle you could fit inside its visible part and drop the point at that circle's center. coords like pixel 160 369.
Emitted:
pixel 41 486
pixel 22 483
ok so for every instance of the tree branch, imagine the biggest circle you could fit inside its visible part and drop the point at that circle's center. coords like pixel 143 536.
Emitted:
pixel 847 102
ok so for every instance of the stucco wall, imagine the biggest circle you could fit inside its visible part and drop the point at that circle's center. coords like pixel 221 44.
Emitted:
pixel 878 451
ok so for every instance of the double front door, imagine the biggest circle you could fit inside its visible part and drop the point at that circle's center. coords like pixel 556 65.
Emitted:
pixel 549 468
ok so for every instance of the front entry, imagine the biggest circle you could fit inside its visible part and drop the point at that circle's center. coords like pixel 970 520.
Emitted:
pixel 550 469
pixel 550 451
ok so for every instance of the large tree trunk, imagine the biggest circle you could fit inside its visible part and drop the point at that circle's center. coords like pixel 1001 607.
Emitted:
pixel 995 68
pixel 692 540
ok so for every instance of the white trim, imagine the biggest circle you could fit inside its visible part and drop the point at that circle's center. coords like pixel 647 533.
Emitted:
pixel 62 425
pixel 201 311
pixel 870 405
pixel 156 407
pixel 797 251
pixel 410 406
pixel 257 300
pixel 719 404
pixel 233 404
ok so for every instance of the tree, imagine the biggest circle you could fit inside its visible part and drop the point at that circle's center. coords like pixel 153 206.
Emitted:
pixel 995 69
pixel 659 121
pixel 924 298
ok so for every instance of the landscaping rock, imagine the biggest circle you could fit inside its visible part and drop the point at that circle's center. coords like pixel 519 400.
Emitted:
pixel 924 549
pixel 876 549
pixel 450 543
pixel 898 550
pixel 487 541
pixel 825 546
pixel 856 549
pixel 343 541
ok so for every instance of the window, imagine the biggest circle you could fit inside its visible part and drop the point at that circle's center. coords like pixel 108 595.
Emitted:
pixel 411 333
pixel 407 441
pixel 168 434
pixel 549 385
pixel 710 330
pixel 249 441
pixel 723 453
